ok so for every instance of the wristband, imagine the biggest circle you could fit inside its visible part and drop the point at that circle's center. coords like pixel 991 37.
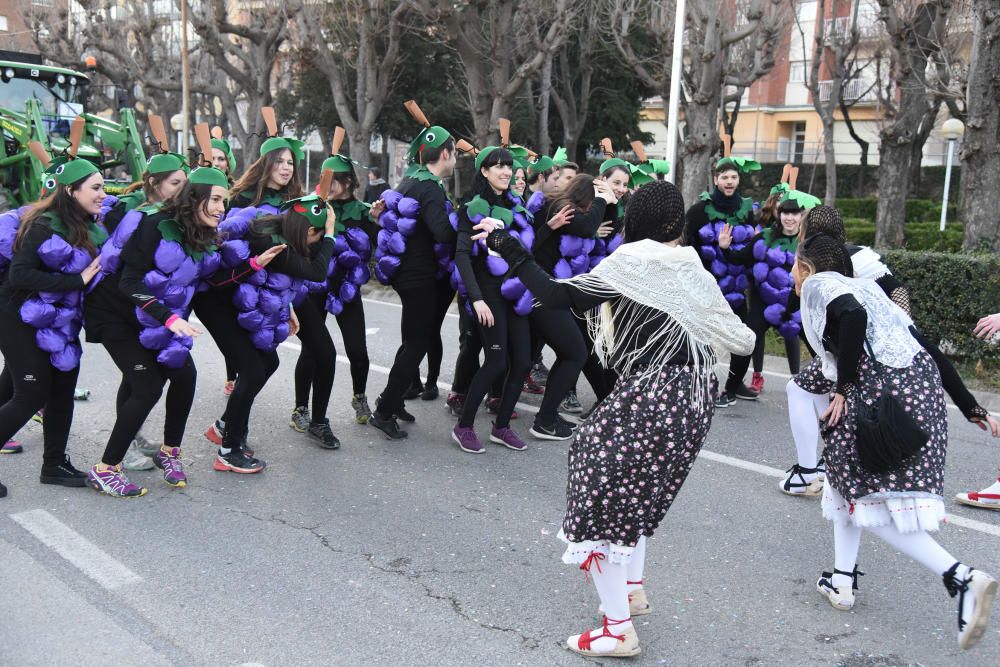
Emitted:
pixel 254 264
pixel 171 320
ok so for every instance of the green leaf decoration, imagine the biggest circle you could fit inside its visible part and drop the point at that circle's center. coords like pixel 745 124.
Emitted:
pixel 778 189
pixel 803 199
pixel 560 157
pixel 503 215
pixel 661 167
pixel 477 206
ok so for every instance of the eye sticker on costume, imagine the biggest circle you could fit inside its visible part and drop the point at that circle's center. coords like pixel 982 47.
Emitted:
pixel 317 209
pixel 60 168
pixel 49 183
pixel 429 138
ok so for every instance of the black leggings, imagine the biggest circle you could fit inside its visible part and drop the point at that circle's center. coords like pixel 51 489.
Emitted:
pixel 508 348
pixel 142 384
pixel 560 332
pixel 254 367
pixel 443 296
pixel 470 344
pixel 308 368
pixel 36 384
pixel 418 325
pixel 759 325
pixel 738 364
pixel 601 380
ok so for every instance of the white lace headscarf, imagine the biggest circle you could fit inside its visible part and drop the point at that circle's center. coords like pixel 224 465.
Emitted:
pixel 888 326
pixel 654 278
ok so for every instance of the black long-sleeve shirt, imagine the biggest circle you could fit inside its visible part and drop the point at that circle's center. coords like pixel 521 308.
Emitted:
pixel 27 274
pixel 583 224
pixel 125 203
pixel 418 266
pixel 291 263
pixel 479 282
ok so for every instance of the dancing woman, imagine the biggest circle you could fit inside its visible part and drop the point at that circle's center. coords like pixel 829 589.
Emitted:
pixel 867 348
pixel 659 319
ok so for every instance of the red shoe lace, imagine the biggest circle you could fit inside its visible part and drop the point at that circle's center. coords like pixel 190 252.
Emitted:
pixel 586 639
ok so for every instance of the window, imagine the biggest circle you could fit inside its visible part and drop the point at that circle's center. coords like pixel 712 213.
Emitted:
pixel 798 142
pixel 799 71
pixel 3 24
pixel 807 10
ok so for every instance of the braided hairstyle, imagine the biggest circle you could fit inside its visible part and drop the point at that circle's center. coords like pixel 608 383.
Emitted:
pixel 820 253
pixel 824 220
pixel 655 211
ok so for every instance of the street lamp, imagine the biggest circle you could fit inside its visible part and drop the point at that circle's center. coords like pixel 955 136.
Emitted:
pixel 177 125
pixel 951 129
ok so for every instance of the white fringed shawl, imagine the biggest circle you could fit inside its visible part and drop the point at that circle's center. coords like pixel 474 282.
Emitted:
pixel 653 278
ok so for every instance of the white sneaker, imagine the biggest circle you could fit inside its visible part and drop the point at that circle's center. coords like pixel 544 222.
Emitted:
pixel 146 448
pixel 136 460
pixel 975 600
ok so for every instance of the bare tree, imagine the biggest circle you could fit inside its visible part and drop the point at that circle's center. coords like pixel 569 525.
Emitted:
pixel 573 87
pixel 729 44
pixel 357 45
pixel 484 34
pixel 244 42
pixel 980 159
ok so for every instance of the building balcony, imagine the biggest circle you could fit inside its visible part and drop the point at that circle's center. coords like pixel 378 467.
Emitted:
pixel 856 90
pixel 839 28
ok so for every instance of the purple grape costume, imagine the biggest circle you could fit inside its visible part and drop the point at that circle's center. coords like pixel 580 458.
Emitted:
pixel 56 316
pixel 177 274
pixel 398 222
pixel 352 250
pixel 774 256
pixel 733 279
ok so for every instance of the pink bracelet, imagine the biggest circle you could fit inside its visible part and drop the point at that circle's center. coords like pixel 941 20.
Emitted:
pixel 171 320
pixel 254 265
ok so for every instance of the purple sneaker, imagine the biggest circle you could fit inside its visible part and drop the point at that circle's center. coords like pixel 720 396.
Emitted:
pixel 11 447
pixel 113 482
pixel 505 436
pixel 467 439
pixel 169 461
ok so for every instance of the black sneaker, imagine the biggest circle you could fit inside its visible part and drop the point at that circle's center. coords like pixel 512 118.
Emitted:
pixel 402 415
pixel 63 474
pixel 387 426
pixel 724 399
pixel 237 460
pixel 566 422
pixel 744 393
pixel 324 437
pixel 413 391
pixel 557 431
pixel 3 491
pixel 430 391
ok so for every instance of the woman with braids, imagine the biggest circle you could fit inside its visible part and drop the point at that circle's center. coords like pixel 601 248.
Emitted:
pixel 866 347
pixel 54 259
pixel 659 319
pixel 152 266
pixel 809 391
pixel 340 294
pixel 505 334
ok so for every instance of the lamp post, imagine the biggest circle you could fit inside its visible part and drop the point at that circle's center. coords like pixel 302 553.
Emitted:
pixel 951 129
pixel 673 132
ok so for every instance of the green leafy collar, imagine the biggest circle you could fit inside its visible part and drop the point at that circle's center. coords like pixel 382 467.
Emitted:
pixel 97 234
pixel 740 216
pixel 786 243
pixel 170 230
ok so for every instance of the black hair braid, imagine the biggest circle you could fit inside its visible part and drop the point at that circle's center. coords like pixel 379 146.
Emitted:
pixel 825 220
pixel 825 253
pixel 655 211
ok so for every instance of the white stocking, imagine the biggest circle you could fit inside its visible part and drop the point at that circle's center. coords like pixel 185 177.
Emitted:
pixel 636 566
pixel 609 581
pixel 919 546
pixel 846 541
pixel 803 416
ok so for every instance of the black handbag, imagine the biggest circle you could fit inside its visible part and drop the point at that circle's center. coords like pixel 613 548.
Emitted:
pixel 886 434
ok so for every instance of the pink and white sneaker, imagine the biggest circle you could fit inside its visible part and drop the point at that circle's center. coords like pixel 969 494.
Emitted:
pixel 11 447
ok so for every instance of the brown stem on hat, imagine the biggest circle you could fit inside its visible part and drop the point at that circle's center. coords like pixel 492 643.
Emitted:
pixel 325 181
pixel 606 147
pixel 504 125
pixel 785 172
pixel 270 121
pixel 727 144
pixel 159 132
pixel 532 155
pixel 639 150
pixel 204 138
pixel 793 175
pixel 338 140
pixel 217 132
pixel 466 147
pixel 417 114
pixel 39 152
pixel 76 135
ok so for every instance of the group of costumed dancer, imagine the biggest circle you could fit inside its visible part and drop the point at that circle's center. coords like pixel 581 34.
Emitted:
pixel 613 273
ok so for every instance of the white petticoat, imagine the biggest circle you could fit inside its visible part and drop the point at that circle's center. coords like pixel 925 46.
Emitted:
pixel 908 512
pixel 577 552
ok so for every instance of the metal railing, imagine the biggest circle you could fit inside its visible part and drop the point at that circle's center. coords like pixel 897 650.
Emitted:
pixel 855 90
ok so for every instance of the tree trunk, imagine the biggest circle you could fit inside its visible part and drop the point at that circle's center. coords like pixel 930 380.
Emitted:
pixel 830 156
pixel 700 142
pixel 544 142
pixel 980 159
pixel 859 188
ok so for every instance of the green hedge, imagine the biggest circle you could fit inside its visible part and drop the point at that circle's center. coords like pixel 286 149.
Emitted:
pixel 919 235
pixel 948 294
pixel 917 210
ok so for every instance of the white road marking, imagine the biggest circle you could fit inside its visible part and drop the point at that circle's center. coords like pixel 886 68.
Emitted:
pixel 77 549
pixel 371 332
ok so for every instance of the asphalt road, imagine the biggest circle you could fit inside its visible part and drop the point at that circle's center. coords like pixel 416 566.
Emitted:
pixel 412 552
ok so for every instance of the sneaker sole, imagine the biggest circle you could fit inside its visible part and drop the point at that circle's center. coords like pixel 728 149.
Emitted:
pixel 322 445
pixel 12 451
pixel 747 398
pixel 467 451
pixel 297 429
pixel 501 441
pixel 100 489
pixel 541 435
pixel 71 482
pixel 838 607
pixel 984 603
pixel 571 411
pixel 810 491
pixel 213 436
pixel 402 434
pixel 222 466
pixel 361 420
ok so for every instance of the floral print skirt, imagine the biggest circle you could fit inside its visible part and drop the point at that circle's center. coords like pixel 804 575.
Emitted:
pixel 628 462
pixel 912 490
pixel 811 378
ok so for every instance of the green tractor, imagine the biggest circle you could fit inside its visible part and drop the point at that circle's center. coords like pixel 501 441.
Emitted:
pixel 39 103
